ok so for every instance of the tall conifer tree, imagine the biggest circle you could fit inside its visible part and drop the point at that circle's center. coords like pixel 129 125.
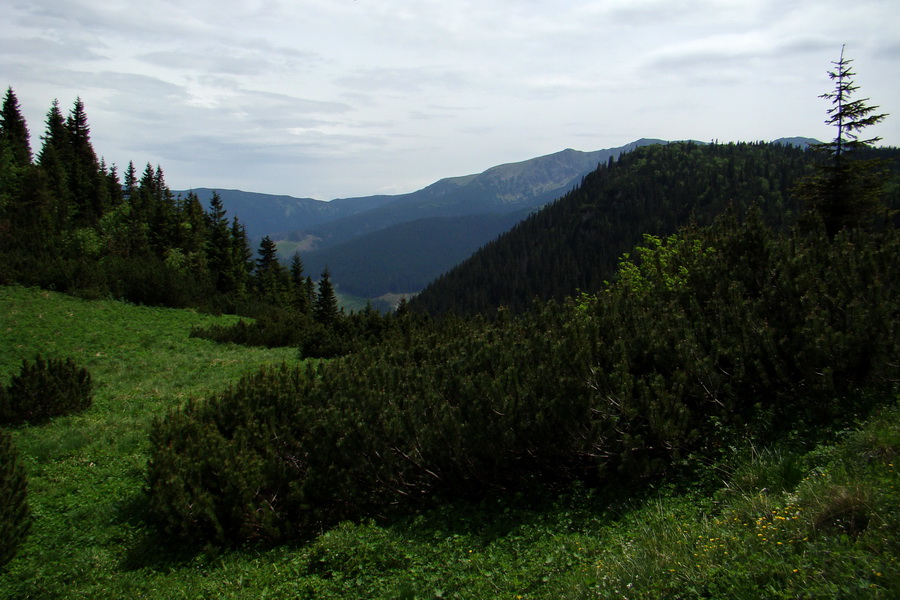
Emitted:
pixel 56 135
pixel 54 155
pixel 219 250
pixel 326 308
pixel 83 168
pixel 129 185
pixel 15 131
pixel 845 191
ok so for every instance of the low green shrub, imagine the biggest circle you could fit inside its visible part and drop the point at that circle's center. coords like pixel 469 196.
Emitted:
pixel 15 520
pixel 277 328
pixel 45 388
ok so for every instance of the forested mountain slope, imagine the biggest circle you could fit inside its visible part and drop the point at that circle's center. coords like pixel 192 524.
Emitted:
pixel 576 242
pixel 404 258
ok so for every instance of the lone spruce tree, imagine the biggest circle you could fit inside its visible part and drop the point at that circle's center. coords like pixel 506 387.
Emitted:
pixel 845 190
pixel 325 310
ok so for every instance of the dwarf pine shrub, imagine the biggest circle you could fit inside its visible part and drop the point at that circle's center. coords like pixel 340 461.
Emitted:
pixel 45 388
pixel 745 334
pixel 14 514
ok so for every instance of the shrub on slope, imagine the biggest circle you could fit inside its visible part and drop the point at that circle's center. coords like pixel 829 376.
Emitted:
pixel 716 334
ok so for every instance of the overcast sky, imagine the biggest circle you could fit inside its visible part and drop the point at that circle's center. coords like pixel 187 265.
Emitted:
pixel 337 98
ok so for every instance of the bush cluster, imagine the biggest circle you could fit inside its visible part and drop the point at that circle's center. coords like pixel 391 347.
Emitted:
pixel 274 328
pixel 722 333
pixel 43 389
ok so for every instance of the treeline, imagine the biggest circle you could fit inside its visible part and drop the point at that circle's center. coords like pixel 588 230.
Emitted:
pixel 575 243
pixel 707 339
pixel 70 223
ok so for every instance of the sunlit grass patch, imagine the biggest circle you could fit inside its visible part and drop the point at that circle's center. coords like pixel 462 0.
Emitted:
pixel 83 468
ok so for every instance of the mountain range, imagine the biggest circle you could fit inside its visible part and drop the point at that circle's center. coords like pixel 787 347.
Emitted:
pixel 380 245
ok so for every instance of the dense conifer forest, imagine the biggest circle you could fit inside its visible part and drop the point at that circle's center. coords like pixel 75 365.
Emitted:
pixel 664 366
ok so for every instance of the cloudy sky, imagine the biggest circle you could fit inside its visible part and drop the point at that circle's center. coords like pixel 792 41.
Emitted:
pixel 337 98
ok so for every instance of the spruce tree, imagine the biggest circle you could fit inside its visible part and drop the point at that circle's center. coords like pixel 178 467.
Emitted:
pixel 163 216
pixel 192 225
pixel 114 187
pixel 268 256
pixel 83 169
pixel 14 130
pixel 56 135
pixel 272 280
pixel 54 155
pixel 130 184
pixel 8 180
pixel 219 252
pixel 845 190
pixel 326 307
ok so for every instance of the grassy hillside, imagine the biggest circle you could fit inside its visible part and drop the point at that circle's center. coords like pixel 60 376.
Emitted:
pixel 86 471
pixel 770 523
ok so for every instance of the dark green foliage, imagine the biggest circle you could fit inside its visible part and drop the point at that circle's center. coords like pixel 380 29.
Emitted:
pixel 713 336
pixel 83 175
pixel 283 327
pixel 271 279
pixel 219 253
pixel 68 224
pixel 45 388
pixel 325 310
pixel 274 329
pixel 14 130
pixel 15 518
pixel 744 334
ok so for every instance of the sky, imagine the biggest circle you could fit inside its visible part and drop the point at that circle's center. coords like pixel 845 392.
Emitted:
pixel 340 98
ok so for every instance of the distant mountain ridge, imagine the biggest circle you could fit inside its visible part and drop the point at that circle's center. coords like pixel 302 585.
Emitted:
pixel 531 182
pixel 361 236
pixel 268 214
pixel 501 189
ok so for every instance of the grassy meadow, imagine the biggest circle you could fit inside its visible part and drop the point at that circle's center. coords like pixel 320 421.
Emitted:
pixel 787 522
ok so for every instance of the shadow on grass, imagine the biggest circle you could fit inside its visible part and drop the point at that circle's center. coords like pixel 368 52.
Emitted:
pixel 151 548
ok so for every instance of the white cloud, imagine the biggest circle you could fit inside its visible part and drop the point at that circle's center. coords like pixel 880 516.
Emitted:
pixel 334 98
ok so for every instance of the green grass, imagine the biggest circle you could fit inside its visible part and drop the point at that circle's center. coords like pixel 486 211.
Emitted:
pixel 786 523
pixel 86 471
